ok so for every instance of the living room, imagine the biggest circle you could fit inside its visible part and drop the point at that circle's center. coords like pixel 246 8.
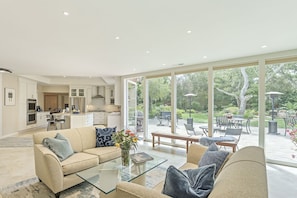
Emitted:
pixel 50 39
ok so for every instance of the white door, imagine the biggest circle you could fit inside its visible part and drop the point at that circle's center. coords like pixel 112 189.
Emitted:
pixel 131 121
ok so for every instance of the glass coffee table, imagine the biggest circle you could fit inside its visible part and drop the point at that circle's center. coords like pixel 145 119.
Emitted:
pixel 105 176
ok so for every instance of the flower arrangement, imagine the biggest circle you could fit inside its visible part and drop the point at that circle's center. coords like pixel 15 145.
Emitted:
pixel 293 136
pixel 125 139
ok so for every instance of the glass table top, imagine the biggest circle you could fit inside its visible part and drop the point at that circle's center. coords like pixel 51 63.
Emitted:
pixel 105 176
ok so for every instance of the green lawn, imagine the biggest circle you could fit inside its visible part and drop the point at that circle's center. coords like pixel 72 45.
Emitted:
pixel 197 117
pixel 203 118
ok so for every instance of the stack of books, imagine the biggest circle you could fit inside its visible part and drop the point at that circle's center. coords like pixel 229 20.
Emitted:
pixel 141 157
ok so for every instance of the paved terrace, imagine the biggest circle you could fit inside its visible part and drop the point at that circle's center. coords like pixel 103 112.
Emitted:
pixel 278 147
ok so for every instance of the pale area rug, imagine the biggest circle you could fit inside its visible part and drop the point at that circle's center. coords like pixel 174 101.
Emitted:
pixel 32 188
pixel 16 142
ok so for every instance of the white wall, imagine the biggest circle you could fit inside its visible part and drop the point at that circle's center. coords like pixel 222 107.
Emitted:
pixel 9 113
pixel 55 89
pixel 1 102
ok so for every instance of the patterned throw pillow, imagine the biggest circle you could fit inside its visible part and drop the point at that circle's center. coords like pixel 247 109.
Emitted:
pixel 103 136
pixel 189 183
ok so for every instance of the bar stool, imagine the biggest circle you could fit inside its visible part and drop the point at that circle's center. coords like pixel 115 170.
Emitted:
pixel 50 122
pixel 60 119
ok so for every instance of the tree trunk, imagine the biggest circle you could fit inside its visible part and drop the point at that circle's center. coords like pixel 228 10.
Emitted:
pixel 242 97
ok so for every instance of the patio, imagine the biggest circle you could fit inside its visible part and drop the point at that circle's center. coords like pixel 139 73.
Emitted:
pixel 278 147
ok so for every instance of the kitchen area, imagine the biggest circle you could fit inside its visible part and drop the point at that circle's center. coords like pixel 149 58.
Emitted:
pixel 88 106
pixel 62 107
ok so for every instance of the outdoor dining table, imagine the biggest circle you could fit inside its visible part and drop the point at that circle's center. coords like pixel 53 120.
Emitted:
pixel 236 122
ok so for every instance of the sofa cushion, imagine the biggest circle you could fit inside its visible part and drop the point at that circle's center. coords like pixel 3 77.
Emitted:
pixel 189 183
pixel 59 145
pixel 214 156
pixel 87 137
pixel 78 162
pixel 104 136
pixel 105 153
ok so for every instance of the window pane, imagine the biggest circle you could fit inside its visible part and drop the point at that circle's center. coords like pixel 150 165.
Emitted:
pixel 159 104
pixel 281 106
pixel 192 102
pixel 236 103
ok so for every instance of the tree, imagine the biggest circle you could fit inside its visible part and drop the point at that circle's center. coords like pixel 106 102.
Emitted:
pixel 239 87
pixel 241 84
pixel 159 91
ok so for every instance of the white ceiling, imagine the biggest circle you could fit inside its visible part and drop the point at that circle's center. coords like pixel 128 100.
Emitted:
pixel 37 39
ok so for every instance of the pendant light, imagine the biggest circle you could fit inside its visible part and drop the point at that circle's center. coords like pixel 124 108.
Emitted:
pixel 4 70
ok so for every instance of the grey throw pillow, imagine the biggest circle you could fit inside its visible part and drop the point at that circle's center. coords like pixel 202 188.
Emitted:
pixel 189 183
pixel 104 136
pixel 60 145
pixel 213 156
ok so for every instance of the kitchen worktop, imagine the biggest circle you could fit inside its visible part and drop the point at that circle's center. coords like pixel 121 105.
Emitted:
pixel 76 120
pixel 73 114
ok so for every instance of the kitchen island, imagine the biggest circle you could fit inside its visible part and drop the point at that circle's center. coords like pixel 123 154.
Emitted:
pixel 75 120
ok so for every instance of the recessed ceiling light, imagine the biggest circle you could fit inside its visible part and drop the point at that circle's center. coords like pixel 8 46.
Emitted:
pixel 189 32
pixel 66 13
pixel 147 51
pixel 117 37
pixel 163 64
pixel 264 46
pixel 204 57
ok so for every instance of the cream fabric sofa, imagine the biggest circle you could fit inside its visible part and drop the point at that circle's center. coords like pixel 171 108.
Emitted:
pixel 243 175
pixel 59 176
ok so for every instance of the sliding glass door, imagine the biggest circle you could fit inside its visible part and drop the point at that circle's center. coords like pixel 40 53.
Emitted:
pixel 236 102
pixel 159 104
pixel 281 108
pixel 131 121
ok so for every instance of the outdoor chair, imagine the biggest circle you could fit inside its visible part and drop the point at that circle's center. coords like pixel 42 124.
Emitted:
pixel 234 133
pixel 191 130
pixel 289 122
pixel 222 121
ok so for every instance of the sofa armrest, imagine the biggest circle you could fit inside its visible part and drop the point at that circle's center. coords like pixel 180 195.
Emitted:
pixel 48 168
pixel 195 153
pixel 132 190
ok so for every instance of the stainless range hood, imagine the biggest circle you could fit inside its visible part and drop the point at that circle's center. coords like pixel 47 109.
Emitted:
pixel 100 92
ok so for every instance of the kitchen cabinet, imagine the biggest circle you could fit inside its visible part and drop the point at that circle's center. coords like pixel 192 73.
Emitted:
pixel 77 92
pixel 99 118
pixel 41 119
pixel 81 120
pixel 109 95
pixel 88 96
pixel 31 90
pixel 114 120
pixel 27 89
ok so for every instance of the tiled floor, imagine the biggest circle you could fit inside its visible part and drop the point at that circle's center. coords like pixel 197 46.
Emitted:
pixel 17 164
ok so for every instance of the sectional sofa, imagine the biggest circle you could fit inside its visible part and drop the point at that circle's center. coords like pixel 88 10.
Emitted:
pixel 243 175
pixel 60 175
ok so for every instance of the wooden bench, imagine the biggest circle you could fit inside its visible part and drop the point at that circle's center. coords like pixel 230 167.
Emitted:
pixel 233 145
pixel 191 139
pixel 187 138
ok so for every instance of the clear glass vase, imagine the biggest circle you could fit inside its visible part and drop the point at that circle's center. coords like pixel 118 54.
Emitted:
pixel 125 157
